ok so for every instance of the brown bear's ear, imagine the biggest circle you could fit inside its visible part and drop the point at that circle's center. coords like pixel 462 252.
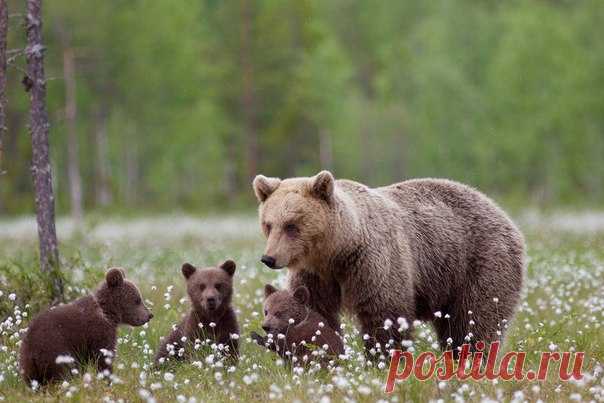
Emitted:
pixel 264 187
pixel 268 290
pixel 322 185
pixel 115 277
pixel 229 266
pixel 302 295
pixel 187 270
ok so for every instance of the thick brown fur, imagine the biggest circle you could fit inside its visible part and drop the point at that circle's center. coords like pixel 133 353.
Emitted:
pixel 304 330
pixel 204 286
pixel 406 250
pixel 81 330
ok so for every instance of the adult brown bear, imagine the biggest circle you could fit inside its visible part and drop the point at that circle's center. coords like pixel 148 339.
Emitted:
pixel 428 249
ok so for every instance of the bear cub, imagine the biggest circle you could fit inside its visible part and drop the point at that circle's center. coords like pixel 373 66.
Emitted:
pixel 211 317
pixel 81 331
pixel 295 331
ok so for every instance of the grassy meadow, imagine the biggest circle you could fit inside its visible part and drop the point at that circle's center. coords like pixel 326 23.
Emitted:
pixel 563 310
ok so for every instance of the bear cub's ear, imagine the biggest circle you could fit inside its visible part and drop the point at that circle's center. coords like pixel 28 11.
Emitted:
pixel 229 266
pixel 302 295
pixel 115 277
pixel 187 270
pixel 268 290
pixel 264 187
pixel 322 185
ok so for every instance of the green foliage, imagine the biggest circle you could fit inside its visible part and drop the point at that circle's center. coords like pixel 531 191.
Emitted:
pixel 505 96
pixel 31 286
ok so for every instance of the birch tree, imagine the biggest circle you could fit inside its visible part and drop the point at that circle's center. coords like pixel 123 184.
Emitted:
pixel 35 84
pixel 3 103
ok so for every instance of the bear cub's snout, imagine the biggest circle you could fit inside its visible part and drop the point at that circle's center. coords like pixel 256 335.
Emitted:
pixel 292 326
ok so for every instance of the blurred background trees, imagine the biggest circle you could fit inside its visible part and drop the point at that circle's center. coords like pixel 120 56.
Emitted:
pixel 163 104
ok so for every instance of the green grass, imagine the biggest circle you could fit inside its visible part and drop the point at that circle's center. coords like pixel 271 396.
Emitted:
pixel 563 306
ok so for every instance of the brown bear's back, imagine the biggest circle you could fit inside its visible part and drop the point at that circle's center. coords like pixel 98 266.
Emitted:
pixel 433 232
pixel 64 330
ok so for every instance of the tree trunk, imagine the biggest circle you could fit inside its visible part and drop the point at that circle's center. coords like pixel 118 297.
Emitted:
pixel 3 102
pixel 41 168
pixel 248 103
pixel 102 190
pixel 132 176
pixel 73 162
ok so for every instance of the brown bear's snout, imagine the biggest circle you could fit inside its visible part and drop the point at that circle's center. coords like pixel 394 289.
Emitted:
pixel 211 301
pixel 269 261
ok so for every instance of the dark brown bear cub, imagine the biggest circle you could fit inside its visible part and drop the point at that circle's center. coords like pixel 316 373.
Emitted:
pixel 84 330
pixel 211 316
pixel 295 331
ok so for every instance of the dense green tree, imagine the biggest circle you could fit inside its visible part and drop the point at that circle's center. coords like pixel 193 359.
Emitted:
pixel 180 104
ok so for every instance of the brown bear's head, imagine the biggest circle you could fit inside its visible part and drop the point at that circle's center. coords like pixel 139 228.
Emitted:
pixel 296 216
pixel 283 308
pixel 121 301
pixel 210 289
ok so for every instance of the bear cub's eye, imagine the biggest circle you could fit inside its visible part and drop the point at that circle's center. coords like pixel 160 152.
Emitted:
pixel 202 287
pixel 268 228
pixel 218 286
pixel 265 312
pixel 138 301
pixel 291 229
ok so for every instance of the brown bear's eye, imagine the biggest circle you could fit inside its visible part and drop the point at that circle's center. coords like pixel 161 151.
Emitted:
pixel 138 301
pixel 202 287
pixel 265 312
pixel 218 286
pixel 291 229
pixel 268 228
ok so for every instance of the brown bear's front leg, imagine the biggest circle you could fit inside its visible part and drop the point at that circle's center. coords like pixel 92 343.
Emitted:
pixel 102 351
pixel 382 333
pixel 104 364
pixel 264 341
pixel 325 296
pixel 228 327
pixel 174 340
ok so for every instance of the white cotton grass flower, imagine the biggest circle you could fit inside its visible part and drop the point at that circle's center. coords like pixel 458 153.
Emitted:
pixel 146 395
pixel 155 386
pixel 168 376
pixel 403 324
pixel 87 378
pixel 64 359
pixel 364 390
pixel 438 314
